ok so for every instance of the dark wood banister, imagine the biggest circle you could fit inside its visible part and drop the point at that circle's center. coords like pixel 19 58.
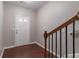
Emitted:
pixel 76 17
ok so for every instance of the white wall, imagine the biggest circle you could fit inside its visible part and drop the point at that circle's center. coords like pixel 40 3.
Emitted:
pixel 10 12
pixel 51 15
pixel 1 24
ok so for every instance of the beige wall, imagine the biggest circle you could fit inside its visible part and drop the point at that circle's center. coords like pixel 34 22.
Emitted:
pixel 1 24
pixel 10 12
pixel 51 15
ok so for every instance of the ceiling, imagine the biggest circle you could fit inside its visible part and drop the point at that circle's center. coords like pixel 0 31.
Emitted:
pixel 28 4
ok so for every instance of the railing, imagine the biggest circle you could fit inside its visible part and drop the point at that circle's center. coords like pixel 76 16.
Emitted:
pixel 47 37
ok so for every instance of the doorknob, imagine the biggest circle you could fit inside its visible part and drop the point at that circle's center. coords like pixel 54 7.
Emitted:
pixel 16 31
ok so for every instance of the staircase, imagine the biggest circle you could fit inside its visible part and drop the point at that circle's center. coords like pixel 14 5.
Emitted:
pixel 52 46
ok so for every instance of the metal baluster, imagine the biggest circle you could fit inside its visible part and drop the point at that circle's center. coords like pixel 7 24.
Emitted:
pixel 74 39
pixel 56 44
pixel 66 40
pixel 60 44
pixel 49 47
pixel 52 45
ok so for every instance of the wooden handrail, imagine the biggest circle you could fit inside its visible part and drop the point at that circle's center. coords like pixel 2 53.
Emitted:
pixel 76 17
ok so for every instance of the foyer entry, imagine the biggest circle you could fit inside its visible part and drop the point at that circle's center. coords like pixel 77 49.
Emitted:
pixel 22 25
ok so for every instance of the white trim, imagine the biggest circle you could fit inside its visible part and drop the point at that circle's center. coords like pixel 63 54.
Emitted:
pixel 2 53
pixel 48 50
pixel 17 45
pixel 39 44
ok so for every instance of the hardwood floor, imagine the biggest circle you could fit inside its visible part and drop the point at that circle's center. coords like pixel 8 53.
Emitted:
pixel 26 51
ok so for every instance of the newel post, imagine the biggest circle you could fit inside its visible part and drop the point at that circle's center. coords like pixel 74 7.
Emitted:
pixel 78 15
pixel 45 37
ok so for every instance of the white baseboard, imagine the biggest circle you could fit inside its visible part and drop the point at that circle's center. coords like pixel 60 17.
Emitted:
pixel 47 49
pixel 17 45
pixel 2 53
pixel 39 44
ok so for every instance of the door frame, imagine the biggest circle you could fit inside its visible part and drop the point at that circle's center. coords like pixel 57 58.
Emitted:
pixel 15 32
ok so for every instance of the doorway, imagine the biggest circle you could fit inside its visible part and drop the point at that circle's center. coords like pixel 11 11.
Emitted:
pixel 22 30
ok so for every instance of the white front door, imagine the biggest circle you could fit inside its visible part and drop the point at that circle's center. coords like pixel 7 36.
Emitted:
pixel 22 30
